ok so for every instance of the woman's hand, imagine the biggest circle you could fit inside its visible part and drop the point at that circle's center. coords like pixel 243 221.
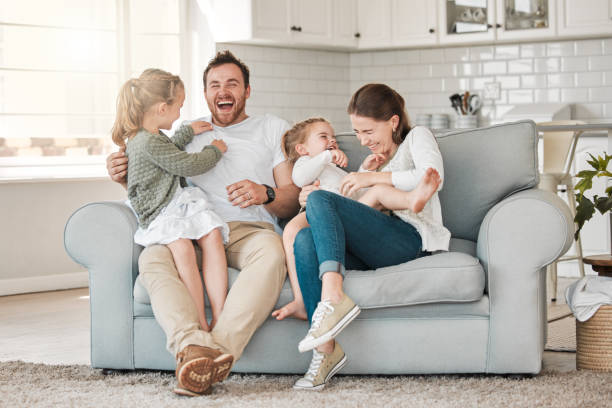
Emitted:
pixel 373 161
pixel 199 126
pixel 353 182
pixel 339 157
pixel 307 190
pixel 116 166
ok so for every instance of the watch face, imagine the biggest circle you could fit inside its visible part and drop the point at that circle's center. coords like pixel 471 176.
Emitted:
pixel 270 193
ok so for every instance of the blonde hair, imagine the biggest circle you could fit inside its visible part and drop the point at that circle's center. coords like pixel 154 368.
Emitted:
pixel 297 135
pixel 137 95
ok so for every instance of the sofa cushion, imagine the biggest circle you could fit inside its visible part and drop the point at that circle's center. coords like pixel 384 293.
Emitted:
pixel 481 167
pixel 446 277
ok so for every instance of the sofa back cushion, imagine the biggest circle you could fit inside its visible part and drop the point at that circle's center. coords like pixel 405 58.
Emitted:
pixel 481 167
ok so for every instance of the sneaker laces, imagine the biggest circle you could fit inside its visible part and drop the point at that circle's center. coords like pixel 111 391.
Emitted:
pixel 323 309
pixel 315 364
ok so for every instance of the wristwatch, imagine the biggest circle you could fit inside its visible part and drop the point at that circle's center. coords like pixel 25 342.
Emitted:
pixel 270 192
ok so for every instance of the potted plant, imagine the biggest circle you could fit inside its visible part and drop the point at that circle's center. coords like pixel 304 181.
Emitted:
pixel 585 207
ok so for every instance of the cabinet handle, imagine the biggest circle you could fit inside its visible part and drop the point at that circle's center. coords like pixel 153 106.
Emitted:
pixel 498 25
pixel 295 28
pixel 431 31
pixel 489 26
pixel 357 35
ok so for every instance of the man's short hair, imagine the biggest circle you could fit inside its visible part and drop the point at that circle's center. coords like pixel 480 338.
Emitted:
pixel 226 57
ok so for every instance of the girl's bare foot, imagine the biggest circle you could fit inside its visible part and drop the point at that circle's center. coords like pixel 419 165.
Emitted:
pixel 293 308
pixel 424 190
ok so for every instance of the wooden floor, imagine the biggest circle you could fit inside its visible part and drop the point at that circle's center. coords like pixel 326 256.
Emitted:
pixel 53 328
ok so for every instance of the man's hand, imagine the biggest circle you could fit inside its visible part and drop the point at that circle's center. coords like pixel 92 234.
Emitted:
pixel 307 190
pixel 199 126
pixel 339 157
pixel 116 166
pixel 219 144
pixel 373 161
pixel 246 193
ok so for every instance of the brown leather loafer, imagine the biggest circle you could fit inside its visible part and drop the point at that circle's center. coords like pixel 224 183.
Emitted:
pixel 199 367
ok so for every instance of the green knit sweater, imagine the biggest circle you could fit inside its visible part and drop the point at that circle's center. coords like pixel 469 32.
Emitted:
pixel 156 167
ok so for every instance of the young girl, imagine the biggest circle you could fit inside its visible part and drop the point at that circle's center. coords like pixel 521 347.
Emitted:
pixel 312 148
pixel 168 212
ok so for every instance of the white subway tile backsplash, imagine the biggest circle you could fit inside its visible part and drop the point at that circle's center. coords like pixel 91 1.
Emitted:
pixel 573 64
pixel 546 65
pixel 456 54
pixel 561 80
pixel 396 71
pixel 546 95
pixel 361 59
pixel 602 94
pixel 431 56
pixel 586 79
pixel 607 78
pixel 600 63
pixel 509 82
pixel 560 49
pixel 607 46
pixel 590 47
pixel 384 58
pixel 574 95
pixel 477 83
pixel 533 81
pixel 468 69
pixel 520 66
pixel 532 50
pixel 452 85
pixel 419 71
pixel 482 53
pixel 520 96
pixel 407 57
pixel 607 110
pixel 443 70
pixel 372 73
pixel 494 68
pixel 432 85
pixel 506 52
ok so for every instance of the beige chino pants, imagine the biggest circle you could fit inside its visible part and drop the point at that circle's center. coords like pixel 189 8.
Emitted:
pixel 257 252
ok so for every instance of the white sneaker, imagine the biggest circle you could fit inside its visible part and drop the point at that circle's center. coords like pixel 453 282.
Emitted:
pixel 328 320
pixel 322 368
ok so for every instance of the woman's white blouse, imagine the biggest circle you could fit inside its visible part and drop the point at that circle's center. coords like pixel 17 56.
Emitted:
pixel 413 157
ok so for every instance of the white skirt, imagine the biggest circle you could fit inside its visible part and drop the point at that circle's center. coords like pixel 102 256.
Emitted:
pixel 188 215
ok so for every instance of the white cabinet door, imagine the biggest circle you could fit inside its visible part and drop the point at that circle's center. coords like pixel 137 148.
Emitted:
pixel 579 17
pixel 374 23
pixel 537 19
pixel 414 22
pixel 311 21
pixel 467 21
pixel 270 20
pixel 345 23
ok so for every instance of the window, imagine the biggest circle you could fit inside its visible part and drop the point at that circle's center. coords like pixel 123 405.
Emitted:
pixel 61 65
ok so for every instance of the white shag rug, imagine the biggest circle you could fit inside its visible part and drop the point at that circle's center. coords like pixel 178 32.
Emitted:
pixel 38 385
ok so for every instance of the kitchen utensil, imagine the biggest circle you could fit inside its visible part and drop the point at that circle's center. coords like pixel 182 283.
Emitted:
pixel 464 101
pixel 473 104
pixel 456 103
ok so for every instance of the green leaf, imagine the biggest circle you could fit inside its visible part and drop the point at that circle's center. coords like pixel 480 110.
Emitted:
pixel 603 204
pixel 587 173
pixel 584 212
pixel 584 185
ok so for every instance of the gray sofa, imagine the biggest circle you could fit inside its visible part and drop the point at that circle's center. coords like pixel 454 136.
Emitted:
pixel 480 308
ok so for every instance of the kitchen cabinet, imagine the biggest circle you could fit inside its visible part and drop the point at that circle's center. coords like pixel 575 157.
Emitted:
pixel 474 21
pixel 280 22
pixel 396 23
pixel 345 23
pixel 579 19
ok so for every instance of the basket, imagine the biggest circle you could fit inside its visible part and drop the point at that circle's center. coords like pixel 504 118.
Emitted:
pixel 594 341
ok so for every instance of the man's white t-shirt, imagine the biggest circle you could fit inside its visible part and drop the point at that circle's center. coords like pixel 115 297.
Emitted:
pixel 253 150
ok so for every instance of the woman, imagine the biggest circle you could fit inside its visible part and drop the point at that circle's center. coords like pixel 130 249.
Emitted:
pixel 345 234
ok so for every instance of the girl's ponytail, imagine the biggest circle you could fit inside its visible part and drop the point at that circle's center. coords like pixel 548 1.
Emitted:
pixel 136 96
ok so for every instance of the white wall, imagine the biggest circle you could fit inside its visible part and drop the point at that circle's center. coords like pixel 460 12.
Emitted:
pixel 32 216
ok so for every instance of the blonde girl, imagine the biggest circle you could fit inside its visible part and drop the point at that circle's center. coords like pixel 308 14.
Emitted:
pixel 169 212
pixel 311 147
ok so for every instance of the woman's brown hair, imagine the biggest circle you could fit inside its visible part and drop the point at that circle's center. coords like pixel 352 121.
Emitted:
pixel 296 135
pixel 137 95
pixel 380 102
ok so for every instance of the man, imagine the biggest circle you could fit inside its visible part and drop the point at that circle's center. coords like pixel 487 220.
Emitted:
pixel 239 186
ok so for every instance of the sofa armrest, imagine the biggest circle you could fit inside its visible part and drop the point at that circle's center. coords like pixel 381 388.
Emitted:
pixel 518 237
pixel 100 236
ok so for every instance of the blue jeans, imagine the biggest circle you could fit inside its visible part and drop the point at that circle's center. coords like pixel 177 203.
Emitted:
pixel 345 234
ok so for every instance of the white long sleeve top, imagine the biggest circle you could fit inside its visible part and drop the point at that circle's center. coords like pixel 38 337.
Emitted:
pixel 320 167
pixel 413 157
